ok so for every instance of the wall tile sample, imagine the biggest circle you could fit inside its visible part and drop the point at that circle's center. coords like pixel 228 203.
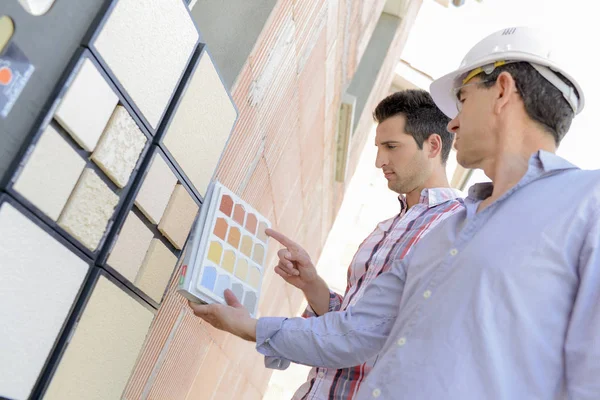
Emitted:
pixel 130 249
pixel 104 348
pixel 155 273
pixel 154 195
pixel 87 106
pixel 147 49
pixel 89 209
pixel 120 146
pixel 201 125
pixel 178 217
pixel 50 174
pixel 40 281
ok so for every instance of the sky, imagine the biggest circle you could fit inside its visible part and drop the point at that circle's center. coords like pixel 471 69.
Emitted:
pixel 442 36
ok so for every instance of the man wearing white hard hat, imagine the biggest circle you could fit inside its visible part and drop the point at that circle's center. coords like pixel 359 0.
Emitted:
pixel 502 299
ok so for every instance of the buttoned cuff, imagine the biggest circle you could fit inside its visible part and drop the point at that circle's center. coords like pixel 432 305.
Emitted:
pixel 266 328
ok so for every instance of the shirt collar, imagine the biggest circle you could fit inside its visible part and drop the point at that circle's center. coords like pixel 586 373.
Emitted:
pixel 541 163
pixel 432 197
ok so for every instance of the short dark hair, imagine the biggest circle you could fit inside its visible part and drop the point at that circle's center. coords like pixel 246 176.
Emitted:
pixel 544 103
pixel 423 117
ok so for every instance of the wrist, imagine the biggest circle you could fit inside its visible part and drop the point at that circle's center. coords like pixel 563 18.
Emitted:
pixel 248 329
pixel 314 287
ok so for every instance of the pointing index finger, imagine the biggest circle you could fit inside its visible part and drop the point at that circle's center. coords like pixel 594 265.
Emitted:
pixel 281 238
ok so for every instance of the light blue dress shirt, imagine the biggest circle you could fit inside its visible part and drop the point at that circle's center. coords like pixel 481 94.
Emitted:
pixel 500 304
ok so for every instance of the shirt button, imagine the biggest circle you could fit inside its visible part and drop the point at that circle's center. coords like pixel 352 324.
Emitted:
pixel 321 374
pixel 267 340
pixel 453 252
pixel 427 294
pixel 401 342
pixel 376 393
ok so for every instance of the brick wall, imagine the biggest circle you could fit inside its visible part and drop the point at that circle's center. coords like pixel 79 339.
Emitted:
pixel 280 159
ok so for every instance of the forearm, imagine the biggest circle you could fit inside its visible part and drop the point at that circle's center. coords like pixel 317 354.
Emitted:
pixel 337 339
pixel 346 347
pixel 317 295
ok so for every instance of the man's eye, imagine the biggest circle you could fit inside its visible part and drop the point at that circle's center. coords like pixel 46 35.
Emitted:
pixel 391 146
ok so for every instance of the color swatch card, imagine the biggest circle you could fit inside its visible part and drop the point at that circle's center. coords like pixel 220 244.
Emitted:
pixel 227 250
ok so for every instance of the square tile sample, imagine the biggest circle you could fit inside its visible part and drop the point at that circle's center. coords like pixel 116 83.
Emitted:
pixel 40 281
pixel 50 174
pixel 178 217
pixel 87 106
pixel 104 348
pixel 89 209
pixel 120 147
pixel 200 127
pixel 156 270
pixel 228 251
pixel 154 195
pixel 130 248
pixel 147 49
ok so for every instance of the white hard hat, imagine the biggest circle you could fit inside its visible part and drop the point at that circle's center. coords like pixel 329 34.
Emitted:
pixel 503 47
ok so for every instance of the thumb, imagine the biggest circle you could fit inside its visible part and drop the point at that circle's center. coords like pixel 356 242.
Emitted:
pixel 232 300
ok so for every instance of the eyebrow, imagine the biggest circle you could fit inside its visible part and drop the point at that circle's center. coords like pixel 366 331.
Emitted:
pixel 388 142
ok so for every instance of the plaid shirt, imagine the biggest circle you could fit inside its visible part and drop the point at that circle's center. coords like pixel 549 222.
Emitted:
pixel 391 239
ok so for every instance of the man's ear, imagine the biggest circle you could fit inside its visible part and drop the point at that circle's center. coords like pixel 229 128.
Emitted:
pixel 504 88
pixel 434 142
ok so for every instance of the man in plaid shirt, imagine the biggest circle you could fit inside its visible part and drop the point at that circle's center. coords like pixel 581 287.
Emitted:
pixel 413 145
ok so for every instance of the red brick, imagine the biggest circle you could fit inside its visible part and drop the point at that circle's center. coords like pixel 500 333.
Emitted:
pixel 209 375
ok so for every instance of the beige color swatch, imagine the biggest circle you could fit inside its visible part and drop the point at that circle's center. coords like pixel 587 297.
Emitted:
pixel 154 195
pixel 104 348
pixel 201 125
pixel 89 209
pixel 130 249
pixel 87 106
pixel 50 174
pixel 147 49
pixel 36 7
pixel 156 270
pixel 178 217
pixel 120 146
pixel 40 279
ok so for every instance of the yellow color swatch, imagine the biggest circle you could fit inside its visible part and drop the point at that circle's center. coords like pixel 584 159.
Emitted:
pixel 241 270
pixel 214 252
pixel 247 245
pixel 254 278
pixel 228 261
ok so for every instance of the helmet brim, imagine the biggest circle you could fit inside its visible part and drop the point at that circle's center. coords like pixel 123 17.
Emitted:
pixel 442 89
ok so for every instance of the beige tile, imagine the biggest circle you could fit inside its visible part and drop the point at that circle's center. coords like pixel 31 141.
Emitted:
pixel 179 216
pixel 89 209
pixel 40 279
pixel 131 247
pixel 103 351
pixel 50 174
pixel 148 53
pixel 201 125
pixel 156 270
pixel 120 147
pixel 153 196
pixel 87 106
